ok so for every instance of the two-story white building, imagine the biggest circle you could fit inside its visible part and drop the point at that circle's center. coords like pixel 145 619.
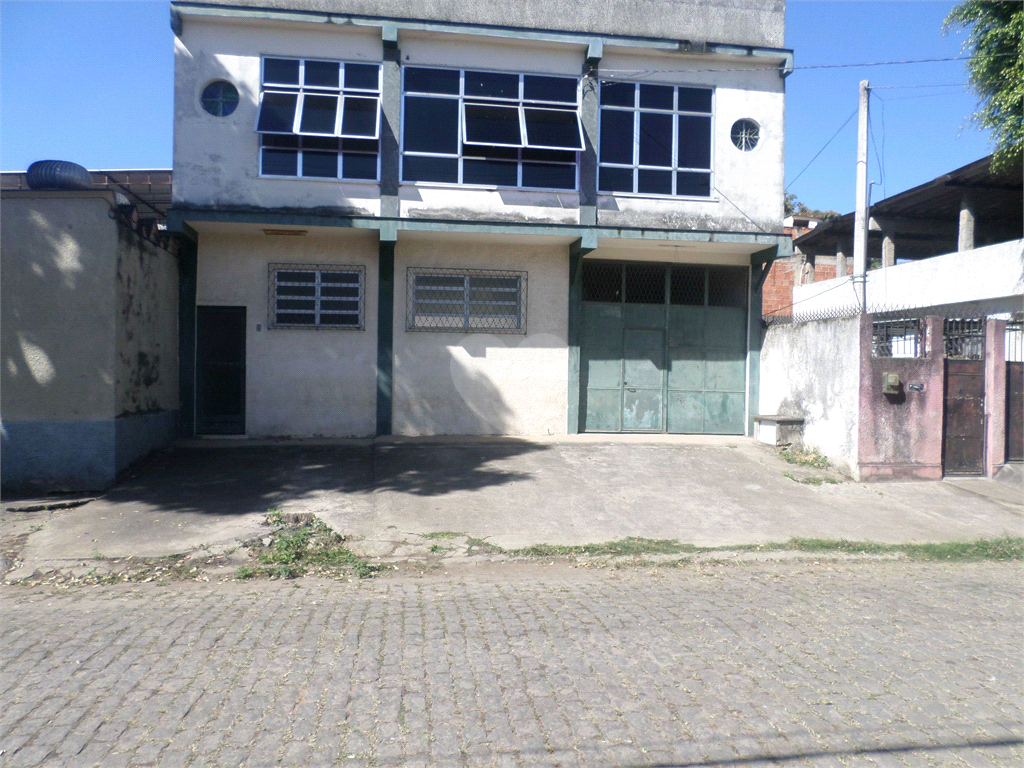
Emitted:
pixel 465 218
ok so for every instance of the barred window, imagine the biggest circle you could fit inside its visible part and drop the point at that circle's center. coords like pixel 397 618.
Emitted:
pixel 319 119
pixel 896 338
pixel 462 300
pixel 316 296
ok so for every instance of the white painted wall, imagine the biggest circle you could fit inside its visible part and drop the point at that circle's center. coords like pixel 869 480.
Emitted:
pixel 216 160
pixel 484 384
pixel 299 382
pixel 980 275
pixel 812 370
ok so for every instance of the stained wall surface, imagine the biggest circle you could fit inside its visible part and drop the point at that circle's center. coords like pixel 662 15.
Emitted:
pixel 300 382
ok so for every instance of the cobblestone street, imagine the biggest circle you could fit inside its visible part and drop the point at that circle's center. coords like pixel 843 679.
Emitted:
pixel 857 663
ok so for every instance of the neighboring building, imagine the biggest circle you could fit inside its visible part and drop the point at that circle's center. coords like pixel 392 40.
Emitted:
pixel 793 270
pixel 89 329
pixel 929 380
pixel 458 219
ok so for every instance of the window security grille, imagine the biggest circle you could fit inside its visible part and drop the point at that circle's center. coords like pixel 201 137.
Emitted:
pixel 896 338
pixel 466 300
pixel 304 296
pixel 1014 342
pixel 655 139
pixel 490 128
pixel 319 119
pixel 678 284
pixel 964 339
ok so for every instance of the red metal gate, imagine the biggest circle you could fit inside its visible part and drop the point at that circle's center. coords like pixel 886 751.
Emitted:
pixel 963 450
pixel 1014 411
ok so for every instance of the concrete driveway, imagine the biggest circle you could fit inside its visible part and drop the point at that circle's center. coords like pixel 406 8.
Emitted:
pixel 708 491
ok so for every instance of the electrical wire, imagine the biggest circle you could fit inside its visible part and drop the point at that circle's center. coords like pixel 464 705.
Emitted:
pixel 874 145
pixel 845 123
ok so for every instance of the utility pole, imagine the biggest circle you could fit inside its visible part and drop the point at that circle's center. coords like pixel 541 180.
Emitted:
pixel 860 225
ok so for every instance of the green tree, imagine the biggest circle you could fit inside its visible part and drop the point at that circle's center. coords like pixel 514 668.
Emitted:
pixel 996 43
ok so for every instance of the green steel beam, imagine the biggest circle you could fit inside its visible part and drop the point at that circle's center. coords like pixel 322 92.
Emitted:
pixel 577 250
pixel 755 331
pixel 385 335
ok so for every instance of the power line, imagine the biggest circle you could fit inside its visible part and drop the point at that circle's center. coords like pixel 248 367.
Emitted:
pixel 930 85
pixel 852 114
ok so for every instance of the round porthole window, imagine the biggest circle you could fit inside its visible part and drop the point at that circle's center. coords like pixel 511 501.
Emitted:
pixel 220 98
pixel 745 134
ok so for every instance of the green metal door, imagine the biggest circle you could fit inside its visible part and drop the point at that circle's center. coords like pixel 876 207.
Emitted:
pixel 663 348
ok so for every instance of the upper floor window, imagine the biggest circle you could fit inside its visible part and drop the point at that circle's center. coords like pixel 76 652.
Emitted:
pixel 319 119
pixel 491 128
pixel 655 139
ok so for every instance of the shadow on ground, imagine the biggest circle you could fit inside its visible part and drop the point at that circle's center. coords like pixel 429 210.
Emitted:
pixel 224 479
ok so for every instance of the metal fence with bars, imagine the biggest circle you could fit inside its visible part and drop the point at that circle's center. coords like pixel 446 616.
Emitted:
pixel 964 338
pixel 896 338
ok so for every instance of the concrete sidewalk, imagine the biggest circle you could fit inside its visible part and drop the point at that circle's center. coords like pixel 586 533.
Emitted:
pixel 708 491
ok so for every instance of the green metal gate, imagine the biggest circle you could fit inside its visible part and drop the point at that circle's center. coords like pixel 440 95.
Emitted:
pixel 663 348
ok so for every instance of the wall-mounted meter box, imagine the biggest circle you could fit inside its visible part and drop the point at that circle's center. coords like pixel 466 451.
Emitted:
pixel 890 383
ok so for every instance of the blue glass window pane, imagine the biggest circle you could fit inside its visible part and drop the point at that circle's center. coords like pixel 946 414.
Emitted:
pixel 277 113
pixel 280 162
pixel 492 124
pixel 282 71
pixel 430 169
pixel 695 100
pixel 362 76
pixel 694 184
pixel 656 96
pixel 655 139
pixel 654 182
pixel 553 128
pixel 360 117
pixel 359 166
pixel 320 164
pixel 615 180
pixel 420 80
pixel 495 84
pixel 431 125
pixel 617 94
pixel 318 114
pixel 322 74
pixel 549 176
pixel 616 137
pixel 489 172
pixel 559 89
pixel 694 141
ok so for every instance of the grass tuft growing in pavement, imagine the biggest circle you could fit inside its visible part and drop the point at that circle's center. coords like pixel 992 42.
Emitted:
pixel 313 548
pixel 811 459
pixel 625 547
pixel 1001 548
pixel 442 535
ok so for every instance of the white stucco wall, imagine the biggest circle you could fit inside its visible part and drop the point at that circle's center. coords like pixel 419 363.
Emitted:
pixel 58 263
pixel 977 276
pixel 813 370
pixel 216 159
pixel 299 382
pixel 484 383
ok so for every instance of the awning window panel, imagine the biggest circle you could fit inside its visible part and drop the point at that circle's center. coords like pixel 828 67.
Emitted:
pixel 497 85
pixel 277 113
pixel 361 118
pixel 553 129
pixel 319 115
pixel 492 124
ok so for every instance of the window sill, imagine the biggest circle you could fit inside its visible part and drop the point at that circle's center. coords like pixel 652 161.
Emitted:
pixel 358 182
pixel 644 196
pixel 485 187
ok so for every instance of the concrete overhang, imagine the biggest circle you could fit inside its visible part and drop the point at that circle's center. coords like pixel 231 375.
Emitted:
pixel 391 27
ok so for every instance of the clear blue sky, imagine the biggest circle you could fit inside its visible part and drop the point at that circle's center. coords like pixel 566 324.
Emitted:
pixel 92 82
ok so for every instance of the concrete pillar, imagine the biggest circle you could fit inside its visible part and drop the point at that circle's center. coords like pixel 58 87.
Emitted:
pixel 888 249
pixel 840 260
pixel 995 395
pixel 965 235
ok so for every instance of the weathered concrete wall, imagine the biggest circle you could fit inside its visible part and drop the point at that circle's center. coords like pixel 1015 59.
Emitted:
pixel 146 327
pixel 747 22
pixel 812 370
pixel 995 395
pixel 303 382
pixel 58 308
pixel 986 279
pixel 484 383
pixel 901 435
pixel 216 159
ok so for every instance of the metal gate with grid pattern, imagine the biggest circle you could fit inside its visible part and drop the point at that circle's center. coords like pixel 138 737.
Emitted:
pixel 663 348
